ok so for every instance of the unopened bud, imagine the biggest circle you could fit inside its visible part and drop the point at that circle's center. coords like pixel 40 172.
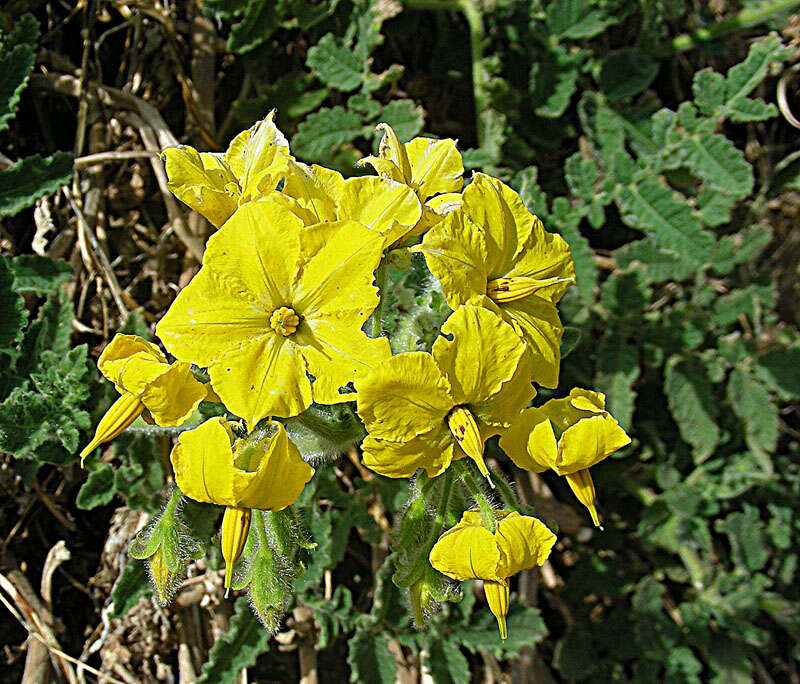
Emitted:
pixel 235 527
pixel 497 598
pixel 583 487
pixel 464 428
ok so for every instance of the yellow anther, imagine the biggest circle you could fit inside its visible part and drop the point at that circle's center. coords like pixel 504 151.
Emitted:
pixel 122 413
pixel 235 527
pixel 497 598
pixel 504 290
pixel 284 321
pixel 464 428
pixel 583 487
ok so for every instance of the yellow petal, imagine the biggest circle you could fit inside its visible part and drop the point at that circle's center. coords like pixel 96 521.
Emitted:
pixel 317 189
pixel 392 149
pixel 480 363
pixel 587 400
pixel 582 486
pixel 467 435
pixel 524 543
pixel 436 166
pixel 387 207
pixel 120 350
pixel 445 204
pixel 507 224
pixel 174 395
pixel 432 451
pixel 588 442
pixel 497 594
pixel 545 257
pixel 455 251
pixel 530 441
pixel 119 416
pixel 403 397
pixel 467 552
pixel 202 182
pixel 269 476
pixel 536 319
pixel 266 160
pixel 236 154
pixel 235 527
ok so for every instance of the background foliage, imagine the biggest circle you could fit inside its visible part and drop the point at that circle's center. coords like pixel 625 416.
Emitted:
pixel 658 153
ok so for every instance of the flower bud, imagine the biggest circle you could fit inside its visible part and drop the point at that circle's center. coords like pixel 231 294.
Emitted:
pixel 235 527
pixel 497 597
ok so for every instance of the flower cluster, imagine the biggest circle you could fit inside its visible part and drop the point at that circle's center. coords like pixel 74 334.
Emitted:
pixel 277 316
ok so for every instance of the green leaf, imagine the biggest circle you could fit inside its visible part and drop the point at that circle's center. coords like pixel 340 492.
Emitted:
pixel 739 248
pixel 718 163
pixel 781 369
pixel 746 535
pixel 404 117
pixel 325 131
pixel 552 82
pixel 750 301
pixel 15 66
pixel 259 22
pixel 98 490
pixel 691 400
pixel 753 404
pixel 25 32
pixel 140 477
pixel 655 210
pixel 742 78
pixel 579 18
pixel 445 662
pixel 335 64
pixel 369 658
pixel 617 370
pixel 626 72
pixel 658 264
pixel 13 314
pixel 38 274
pixel 32 178
pixel 51 331
pixel 709 91
pixel 581 175
pixel 132 584
pixel 237 648
pixel 566 220
pixel 525 628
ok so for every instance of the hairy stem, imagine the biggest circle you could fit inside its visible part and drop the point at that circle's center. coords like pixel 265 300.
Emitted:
pixel 464 470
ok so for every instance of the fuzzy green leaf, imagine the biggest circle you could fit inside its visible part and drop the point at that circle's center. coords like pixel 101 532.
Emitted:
pixel 98 490
pixel 626 72
pixel 335 64
pixel 617 371
pixel 579 18
pixel 753 404
pixel 655 210
pixel 525 628
pixel 658 264
pixel 245 640
pixel 32 178
pixel 404 117
pixel 552 82
pixel 38 274
pixel 718 163
pixel 15 66
pixel 749 301
pixel 446 663
pixel 742 78
pixel 691 400
pixel 132 584
pixel 745 532
pixel 326 130
pixel 780 368
pixel 565 219
pixel 369 658
pixel 13 314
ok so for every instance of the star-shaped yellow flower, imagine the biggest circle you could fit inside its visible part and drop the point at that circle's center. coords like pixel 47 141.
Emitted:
pixel 263 471
pixel 275 301
pixel 384 205
pixel 494 246
pixel 423 410
pixel 214 185
pixel 432 168
pixel 469 551
pixel 166 394
pixel 569 436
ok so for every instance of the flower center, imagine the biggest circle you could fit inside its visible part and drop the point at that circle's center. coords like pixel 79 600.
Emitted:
pixel 464 428
pixel 518 287
pixel 284 321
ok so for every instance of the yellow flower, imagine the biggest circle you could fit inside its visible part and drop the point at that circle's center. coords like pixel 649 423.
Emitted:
pixel 166 394
pixel 382 204
pixel 214 185
pixel 274 302
pixel 432 168
pixel 469 551
pixel 494 246
pixel 264 471
pixel 423 410
pixel 569 436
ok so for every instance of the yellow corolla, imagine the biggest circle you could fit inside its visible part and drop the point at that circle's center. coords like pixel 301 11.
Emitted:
pixel 264 471
pixel 424 410
pixel 384 205
pixel 492 245
pixel 164 393
pixel 469 551
pixel 569 436
pixel 214 185
pixel 275 301
pixel 432 168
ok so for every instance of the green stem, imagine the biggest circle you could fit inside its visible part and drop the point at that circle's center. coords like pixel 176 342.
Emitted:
pixel 173 502
pixel 506 493
pixel 464 470
pixel 742 19
pixel 377 317
pixel 469 8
